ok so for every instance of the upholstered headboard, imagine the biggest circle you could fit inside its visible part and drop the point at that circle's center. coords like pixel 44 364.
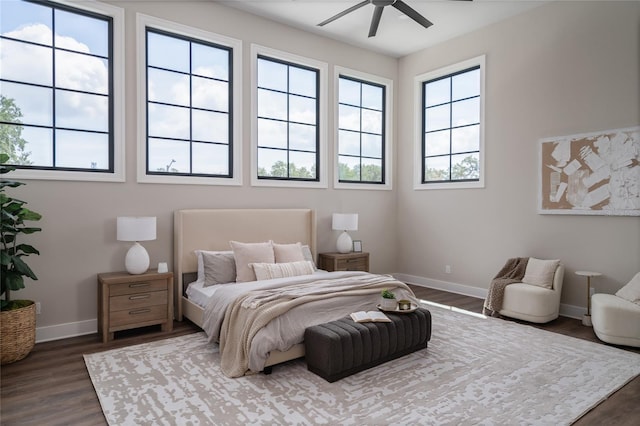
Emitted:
pixel 212 229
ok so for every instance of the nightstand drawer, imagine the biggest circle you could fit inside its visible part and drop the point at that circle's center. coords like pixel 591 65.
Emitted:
pixel 137 287
pixel 138 300
pixel 356 261
pixel 128 301
pixel 357 264
pixel 137 316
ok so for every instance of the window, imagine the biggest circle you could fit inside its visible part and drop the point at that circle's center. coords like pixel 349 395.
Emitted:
pixel 288 133
pixel 60 85
pixel 188 105
pixel 451 118
pixel 363 136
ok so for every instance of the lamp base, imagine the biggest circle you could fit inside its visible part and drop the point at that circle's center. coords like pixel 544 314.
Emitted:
pixel 344 243
pixel 137 260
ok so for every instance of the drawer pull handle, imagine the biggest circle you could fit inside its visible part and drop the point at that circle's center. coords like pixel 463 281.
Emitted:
pixel 140 296
pixel 353 260
pixel 138 285
pixel 139 311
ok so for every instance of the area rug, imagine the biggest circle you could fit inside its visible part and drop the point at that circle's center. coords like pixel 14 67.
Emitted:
pixel 474 371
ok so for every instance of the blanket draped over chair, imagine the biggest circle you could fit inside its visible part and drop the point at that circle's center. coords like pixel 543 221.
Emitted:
pixel 512 272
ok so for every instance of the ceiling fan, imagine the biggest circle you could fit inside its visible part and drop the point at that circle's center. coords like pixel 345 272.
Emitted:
pixel 377 13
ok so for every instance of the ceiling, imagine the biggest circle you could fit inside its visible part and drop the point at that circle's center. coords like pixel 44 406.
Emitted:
pixel 397 35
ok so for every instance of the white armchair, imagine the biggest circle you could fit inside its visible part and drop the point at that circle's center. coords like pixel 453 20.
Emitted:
pixel 616 318
pixel 534 303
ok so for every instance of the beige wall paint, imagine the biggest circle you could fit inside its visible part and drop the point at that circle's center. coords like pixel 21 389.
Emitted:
pixel 561 69
pixel 78 238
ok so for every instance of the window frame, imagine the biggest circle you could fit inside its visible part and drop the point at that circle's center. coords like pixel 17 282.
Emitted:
pixel 419 147
pixel 387 155
pixel 258 51
pixel 171 28
pixel 116 101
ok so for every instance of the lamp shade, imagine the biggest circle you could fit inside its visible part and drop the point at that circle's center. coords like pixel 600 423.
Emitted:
pixel 345 222
pixel 136 228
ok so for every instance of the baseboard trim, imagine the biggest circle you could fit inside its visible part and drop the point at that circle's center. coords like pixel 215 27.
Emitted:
pixel 63 331
pixel 570 311
pixel 81 328
pixel 465 290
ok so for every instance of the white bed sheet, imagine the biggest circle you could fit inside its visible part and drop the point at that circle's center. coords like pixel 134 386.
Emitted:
pixel 200 295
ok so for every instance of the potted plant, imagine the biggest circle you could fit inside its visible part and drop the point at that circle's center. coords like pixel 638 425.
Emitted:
pixel 17 317
pixel 388 300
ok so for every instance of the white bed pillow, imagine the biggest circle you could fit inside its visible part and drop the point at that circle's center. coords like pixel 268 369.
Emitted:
pixel 268 271
pixel 286 253
pixel 540 272
pixel 631 291
pixel 246 253
pixel 219 267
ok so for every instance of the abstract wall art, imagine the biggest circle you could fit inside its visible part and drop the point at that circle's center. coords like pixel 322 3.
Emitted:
pixel 591 174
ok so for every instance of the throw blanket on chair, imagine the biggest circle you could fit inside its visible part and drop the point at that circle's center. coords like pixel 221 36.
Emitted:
pixel 511 272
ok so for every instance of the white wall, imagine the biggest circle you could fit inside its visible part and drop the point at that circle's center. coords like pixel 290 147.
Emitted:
pixel 563 68
pixel 78 238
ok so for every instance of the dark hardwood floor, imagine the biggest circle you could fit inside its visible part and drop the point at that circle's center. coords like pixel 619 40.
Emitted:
pixel 52 387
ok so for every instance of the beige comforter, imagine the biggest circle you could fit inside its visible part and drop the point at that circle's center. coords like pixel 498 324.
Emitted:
pixel 252 319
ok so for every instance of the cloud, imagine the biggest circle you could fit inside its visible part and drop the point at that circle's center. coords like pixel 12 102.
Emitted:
pixel 33 64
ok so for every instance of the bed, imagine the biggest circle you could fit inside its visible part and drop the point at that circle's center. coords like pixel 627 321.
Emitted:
pixel 213 229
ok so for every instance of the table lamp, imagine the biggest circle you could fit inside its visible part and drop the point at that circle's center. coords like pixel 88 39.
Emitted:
pixel 136 229
pixel 344 222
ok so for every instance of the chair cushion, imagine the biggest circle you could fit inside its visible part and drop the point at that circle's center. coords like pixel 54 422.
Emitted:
pixel 615 320
pixel 530 303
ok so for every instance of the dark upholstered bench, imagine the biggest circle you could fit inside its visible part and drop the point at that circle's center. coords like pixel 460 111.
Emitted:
pixel 340 348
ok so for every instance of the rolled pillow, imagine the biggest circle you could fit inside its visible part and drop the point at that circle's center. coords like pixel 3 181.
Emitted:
pixel 268 271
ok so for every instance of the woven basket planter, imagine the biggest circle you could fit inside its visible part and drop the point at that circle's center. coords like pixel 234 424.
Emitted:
pixel 17 333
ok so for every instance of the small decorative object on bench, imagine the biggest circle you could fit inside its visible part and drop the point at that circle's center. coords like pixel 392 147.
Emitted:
pixel 388 300
pixel 340 348
pixel 369 316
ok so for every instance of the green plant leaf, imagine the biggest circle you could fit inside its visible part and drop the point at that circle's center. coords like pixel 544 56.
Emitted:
pixel 26 230
pixel 26 214
pixel 27 249
pixel 21 267
pixel 13 280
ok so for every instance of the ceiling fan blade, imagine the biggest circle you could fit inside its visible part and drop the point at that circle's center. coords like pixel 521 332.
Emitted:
pixel 411 13
pixel 344 12
pixel 375 21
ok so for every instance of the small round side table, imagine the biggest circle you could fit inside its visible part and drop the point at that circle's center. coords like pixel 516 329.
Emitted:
pixel 586 319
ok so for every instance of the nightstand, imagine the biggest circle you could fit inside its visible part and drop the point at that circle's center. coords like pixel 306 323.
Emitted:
pixel 130 301
pixel 344 261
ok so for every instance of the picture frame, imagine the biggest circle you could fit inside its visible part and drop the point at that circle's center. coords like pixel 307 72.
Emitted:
pixel 357 246
pixel 590 173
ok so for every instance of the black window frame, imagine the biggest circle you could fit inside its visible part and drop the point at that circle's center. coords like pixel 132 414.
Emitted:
pixel 110 95
pixel 383 134
pixel 191 141
pixel 450 128
pixel 288 121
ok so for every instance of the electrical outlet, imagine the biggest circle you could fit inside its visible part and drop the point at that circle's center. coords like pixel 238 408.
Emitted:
pixel 447 269
pixel 38 308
